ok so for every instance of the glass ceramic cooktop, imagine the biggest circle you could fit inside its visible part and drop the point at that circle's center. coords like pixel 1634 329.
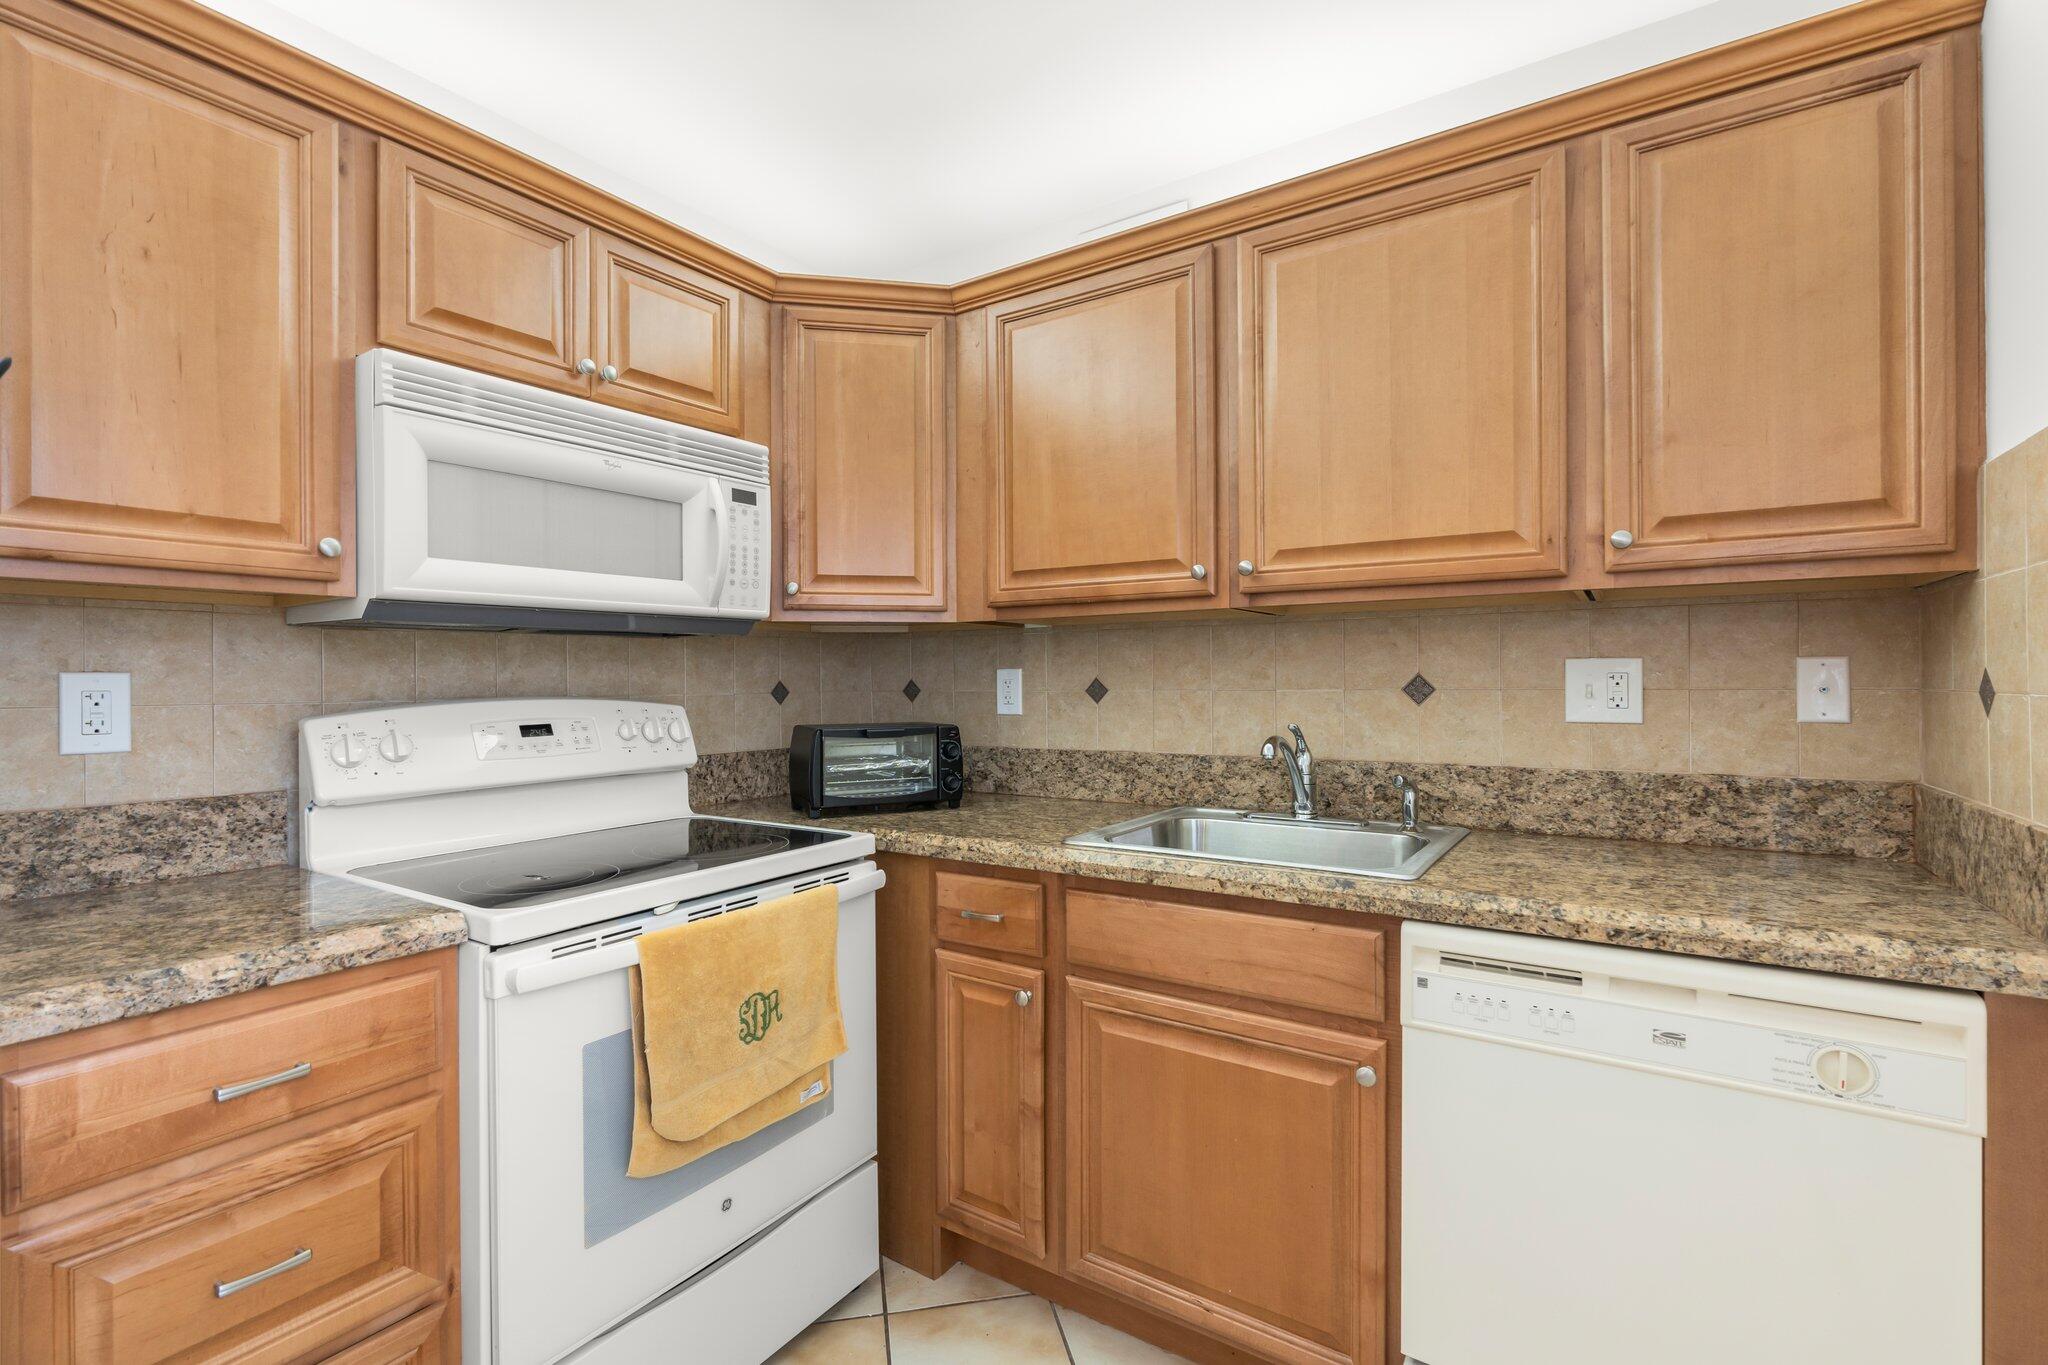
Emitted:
pixel 508 876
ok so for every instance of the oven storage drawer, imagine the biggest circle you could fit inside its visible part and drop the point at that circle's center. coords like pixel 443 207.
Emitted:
pixel 77 1122
pixel 286 1257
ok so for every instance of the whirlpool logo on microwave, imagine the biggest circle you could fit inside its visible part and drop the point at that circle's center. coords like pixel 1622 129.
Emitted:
pixel 1667 1037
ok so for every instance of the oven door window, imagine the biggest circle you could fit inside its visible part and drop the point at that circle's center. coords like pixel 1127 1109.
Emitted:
pixel 477 514
pixel 858 769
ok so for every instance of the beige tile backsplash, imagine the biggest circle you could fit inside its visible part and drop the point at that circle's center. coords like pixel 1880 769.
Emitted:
pixel 219 690
pixel 1994 625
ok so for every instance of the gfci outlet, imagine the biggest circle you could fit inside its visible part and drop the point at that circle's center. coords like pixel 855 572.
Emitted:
pixel 92 713
pixel 1603 691
pixel 1009 691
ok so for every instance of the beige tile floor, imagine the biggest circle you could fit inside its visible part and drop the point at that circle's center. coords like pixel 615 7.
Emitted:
pixel 962 1318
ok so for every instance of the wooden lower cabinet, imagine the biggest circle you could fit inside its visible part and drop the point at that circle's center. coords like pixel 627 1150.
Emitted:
pixel 320 1224
pixel 991 1147
pixel 1228 1169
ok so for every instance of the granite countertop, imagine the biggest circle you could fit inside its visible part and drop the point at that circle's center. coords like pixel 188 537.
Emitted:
pixel 1857 916
pixel 68 962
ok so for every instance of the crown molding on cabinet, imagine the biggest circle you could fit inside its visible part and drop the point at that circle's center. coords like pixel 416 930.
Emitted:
pixel 1829 37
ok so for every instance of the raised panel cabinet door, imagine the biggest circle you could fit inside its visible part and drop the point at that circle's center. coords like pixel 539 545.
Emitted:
pixel 991 1150
pixel 1401 385
pixel 1781 321
pixel 865 509
pixel 667 337
pixel 1101 438
pixel 474 274
pixel 1228 1170
pixel 169 246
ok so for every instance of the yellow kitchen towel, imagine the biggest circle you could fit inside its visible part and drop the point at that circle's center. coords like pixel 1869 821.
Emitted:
pixel 653 1154
pixel 735 1009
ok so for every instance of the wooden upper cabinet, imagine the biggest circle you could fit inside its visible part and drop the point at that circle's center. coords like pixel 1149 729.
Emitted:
pixel 1781 332
pixel 1401 386
pixel 169 261
pixel 865 496
pixel 667 337
pixel 1100 438
pixel 1229 1170
pixel 991 1101
pixel 475 274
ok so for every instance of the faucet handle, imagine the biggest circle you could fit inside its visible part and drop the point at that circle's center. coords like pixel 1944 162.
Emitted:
pixel 1300 740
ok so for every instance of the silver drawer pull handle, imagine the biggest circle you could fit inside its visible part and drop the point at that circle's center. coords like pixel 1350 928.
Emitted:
pixel 223 1288
pixel 981 915
pixel 1024 999
pixel 223 1093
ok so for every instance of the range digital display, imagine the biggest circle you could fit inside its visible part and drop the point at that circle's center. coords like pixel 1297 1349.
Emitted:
pixel 541 731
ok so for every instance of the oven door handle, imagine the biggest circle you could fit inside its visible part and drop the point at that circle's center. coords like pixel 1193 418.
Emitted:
pixel 538 976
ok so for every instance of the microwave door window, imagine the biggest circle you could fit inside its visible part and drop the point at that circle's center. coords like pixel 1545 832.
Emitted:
pixel 876 769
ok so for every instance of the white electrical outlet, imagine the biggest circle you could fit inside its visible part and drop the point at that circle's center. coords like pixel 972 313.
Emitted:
pixel 1009 691
pixel 1603 691
pixel 92 713
pixel 1824 691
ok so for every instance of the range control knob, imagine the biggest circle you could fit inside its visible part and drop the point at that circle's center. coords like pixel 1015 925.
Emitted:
pixel 347 752
pixel 676 733
pixel 1844 1071
pixel 651 730
pixel 627 732
pixel 395 748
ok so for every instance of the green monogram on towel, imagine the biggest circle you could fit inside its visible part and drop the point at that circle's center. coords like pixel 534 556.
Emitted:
pixel 758 1012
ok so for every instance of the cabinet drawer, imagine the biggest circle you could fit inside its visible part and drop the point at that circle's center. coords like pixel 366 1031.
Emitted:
pixel 281 1258
pixel 991 912
pixel 73 1123
pixel 1337 968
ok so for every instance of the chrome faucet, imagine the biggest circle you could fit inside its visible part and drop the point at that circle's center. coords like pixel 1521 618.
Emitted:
pixel 1407 790
pixel 1300 765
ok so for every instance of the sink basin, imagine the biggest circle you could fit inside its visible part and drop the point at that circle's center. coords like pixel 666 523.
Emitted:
pixel 1378 848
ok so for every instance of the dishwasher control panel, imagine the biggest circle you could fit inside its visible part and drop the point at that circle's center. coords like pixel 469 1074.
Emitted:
pixel 1772 1055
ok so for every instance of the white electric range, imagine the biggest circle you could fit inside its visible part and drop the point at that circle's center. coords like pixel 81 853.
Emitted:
pixel 562 830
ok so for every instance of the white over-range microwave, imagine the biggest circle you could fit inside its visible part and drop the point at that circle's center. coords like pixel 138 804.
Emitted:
pixel 489 504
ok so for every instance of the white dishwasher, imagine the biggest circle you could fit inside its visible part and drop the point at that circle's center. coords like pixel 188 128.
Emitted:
pixel 1617 1157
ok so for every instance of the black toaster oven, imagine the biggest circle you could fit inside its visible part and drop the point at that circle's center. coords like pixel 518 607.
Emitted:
pixel 843 767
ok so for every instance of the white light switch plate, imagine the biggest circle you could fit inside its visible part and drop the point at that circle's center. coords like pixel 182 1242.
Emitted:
pixel 1824 691
pixel 1603 691
pixel 92 713
pixel 1009 691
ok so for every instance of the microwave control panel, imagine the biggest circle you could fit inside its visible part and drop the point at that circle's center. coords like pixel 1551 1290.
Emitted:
pixel 747 559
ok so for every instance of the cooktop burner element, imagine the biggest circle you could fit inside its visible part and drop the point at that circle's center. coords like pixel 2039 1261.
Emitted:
pixel 508 876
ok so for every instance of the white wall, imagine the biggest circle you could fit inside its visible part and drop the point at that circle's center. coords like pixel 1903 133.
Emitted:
pixel 2015 220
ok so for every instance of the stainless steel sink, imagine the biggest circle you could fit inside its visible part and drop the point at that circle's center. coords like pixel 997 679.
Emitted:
pixel 1378 848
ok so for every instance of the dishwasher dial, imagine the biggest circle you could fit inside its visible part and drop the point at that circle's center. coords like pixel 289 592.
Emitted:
pixel 1844 1071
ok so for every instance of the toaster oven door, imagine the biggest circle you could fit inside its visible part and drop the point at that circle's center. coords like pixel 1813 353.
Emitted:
pixel 879 765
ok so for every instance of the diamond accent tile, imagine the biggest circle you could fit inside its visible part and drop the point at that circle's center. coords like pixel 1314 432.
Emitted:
pixel 1096 691
pixel 1419 689
pixel 1986 693
pixel 911 689
pixel 779 692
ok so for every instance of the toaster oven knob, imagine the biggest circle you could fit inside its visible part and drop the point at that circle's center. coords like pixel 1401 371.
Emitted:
pixel 650 730
pixel 676 733
pixel 949 783
pixel 627 731
pixel 949 750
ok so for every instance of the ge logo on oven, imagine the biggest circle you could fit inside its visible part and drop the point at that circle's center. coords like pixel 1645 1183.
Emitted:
pixel 759 1012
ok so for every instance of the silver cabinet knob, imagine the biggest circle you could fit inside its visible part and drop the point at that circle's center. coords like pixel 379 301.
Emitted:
pixel 1199 571
pixel 1367 1077
pixel 1244 568
pixel 789 588
pixel 330 547
pixel 608 373
pixel 586 366
pixel 1024 999
pixel 1621 540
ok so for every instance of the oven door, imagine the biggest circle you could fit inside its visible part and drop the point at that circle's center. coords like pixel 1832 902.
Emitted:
pixel 460 512
pixel 559 1244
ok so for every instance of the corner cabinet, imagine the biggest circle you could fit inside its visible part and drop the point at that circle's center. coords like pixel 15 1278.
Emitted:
pixel 1400 368
pixel 170 261
pixel 477 274
pixel 866 493
pixel 1098 443
pixel 1784 287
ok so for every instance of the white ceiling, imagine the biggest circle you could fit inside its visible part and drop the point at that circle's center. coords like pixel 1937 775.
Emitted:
pixel 934 139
